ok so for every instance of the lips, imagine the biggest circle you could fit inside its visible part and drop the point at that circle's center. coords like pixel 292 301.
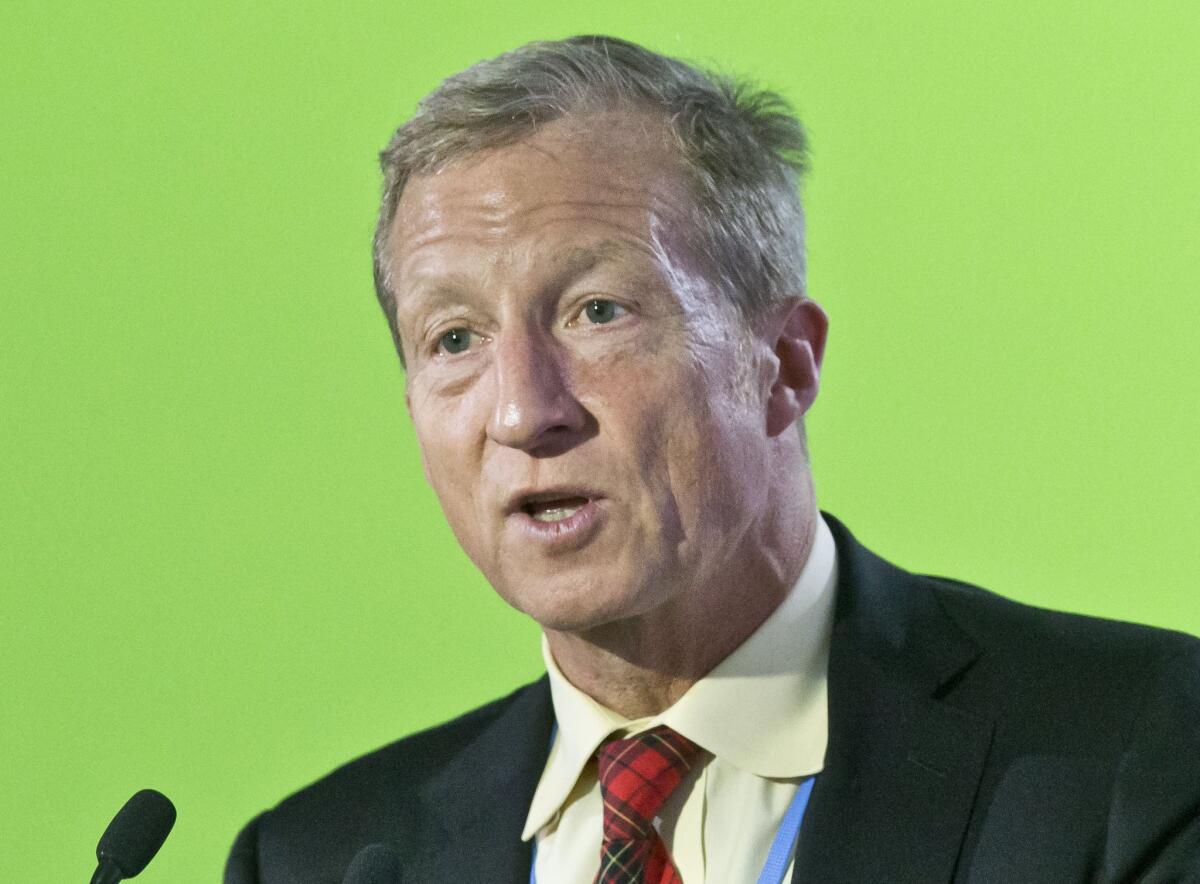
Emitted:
pixel 556 520
pixel 553 509
pixel 538 502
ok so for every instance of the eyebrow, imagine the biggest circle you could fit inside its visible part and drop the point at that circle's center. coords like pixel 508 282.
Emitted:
pixel 571 264
pixel 579 260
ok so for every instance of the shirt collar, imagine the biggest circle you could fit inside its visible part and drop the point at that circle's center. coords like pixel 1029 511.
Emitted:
pixel 762 709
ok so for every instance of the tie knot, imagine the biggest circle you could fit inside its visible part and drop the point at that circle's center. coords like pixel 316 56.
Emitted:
pixel 637 775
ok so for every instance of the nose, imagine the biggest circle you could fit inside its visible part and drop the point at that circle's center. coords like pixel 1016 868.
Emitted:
pixel 535 409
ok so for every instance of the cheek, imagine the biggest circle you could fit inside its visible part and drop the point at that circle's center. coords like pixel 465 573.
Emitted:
pixel 714 460
pixel 631 400
pixel 446 444
pixel 657 418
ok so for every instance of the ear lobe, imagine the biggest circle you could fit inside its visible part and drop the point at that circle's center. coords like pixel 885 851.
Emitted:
pixel 799 349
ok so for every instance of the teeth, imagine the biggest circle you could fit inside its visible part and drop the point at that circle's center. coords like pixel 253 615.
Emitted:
pixel 557 513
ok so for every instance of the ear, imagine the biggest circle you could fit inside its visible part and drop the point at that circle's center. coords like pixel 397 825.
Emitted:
pixel 799 347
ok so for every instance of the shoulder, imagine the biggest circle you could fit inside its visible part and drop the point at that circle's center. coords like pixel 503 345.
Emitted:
pixel 400 768
pixel 1097 729
pixel 999 654
pixel 1058 672
pixel 1041 639
pixel 1048 679
pixel 379 794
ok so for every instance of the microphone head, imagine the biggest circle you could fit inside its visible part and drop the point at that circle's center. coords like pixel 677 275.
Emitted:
pixel 374 864
pixel 136 832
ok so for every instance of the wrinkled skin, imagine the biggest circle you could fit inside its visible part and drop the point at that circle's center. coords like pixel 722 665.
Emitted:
pixel 586 349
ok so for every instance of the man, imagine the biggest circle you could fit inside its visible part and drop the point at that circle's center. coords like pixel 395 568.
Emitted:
pixel 591 258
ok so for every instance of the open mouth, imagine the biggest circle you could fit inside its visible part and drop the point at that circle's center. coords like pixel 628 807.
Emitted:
pixel 553 509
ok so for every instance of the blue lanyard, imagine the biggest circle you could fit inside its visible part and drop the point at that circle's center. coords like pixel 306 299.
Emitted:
pixel 781 848
pixel 785 839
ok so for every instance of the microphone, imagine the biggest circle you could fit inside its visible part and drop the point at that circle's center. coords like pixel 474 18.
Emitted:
pixel 374 864
pixel 133 837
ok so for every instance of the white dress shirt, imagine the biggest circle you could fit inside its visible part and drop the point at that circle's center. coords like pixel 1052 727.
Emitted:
pixel 760 715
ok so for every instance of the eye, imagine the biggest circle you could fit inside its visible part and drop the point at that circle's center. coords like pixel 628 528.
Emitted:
pixel 602 310
pixel 457 340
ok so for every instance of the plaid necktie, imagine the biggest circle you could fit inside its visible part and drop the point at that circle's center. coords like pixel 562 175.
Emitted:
pixel 637 775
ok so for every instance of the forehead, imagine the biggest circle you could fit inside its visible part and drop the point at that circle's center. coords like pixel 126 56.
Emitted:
pixel 610 177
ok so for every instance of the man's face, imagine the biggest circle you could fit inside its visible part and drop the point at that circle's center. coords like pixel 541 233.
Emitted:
pixel 589 409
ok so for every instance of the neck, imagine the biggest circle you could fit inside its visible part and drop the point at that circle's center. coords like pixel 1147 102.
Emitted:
pixel 628 667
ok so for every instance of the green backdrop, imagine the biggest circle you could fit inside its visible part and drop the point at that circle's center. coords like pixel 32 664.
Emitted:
pixel 222 573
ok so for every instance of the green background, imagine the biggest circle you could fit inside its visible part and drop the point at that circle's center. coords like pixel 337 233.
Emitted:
pixel 222 573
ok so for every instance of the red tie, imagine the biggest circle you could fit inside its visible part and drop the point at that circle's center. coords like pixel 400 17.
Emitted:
pixel 637 775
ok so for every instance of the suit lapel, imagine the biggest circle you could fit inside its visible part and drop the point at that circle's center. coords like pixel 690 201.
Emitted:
pixel 478 802
pixel 902 767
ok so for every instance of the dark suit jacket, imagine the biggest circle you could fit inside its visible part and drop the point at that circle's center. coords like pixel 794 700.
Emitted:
pixel 972 739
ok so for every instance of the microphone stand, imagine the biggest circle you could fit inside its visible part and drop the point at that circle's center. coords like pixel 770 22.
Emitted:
pixel 107 873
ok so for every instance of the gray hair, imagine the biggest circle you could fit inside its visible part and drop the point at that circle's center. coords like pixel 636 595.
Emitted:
pixel 742 147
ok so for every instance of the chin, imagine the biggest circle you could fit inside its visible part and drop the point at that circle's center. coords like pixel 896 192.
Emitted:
pixel 573 605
